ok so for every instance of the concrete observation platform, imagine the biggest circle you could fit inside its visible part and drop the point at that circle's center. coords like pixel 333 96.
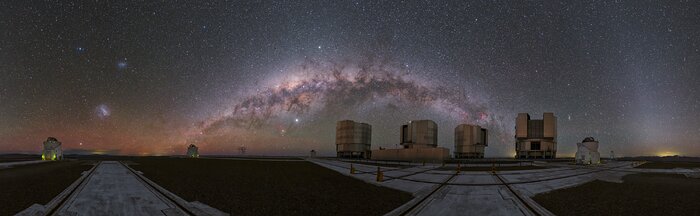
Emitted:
pixel 441 190
pixel 112 188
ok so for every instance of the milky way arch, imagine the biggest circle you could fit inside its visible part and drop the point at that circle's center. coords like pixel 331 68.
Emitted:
pixel 315 88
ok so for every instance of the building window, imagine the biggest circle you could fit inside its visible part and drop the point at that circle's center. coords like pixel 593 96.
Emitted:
pixel 535 146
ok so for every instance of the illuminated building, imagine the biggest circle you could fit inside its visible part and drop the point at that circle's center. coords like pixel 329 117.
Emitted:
pixel 192 151
pixel 52 150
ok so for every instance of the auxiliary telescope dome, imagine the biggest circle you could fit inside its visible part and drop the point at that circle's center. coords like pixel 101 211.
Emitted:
pixel 52 149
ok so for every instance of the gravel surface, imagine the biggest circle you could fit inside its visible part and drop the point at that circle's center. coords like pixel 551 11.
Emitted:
pixel 22 186
pixel 669 165
pixel 18 157
pixel 243 187
pixel 640 194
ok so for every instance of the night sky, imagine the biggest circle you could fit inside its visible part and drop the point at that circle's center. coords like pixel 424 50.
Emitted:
pixel 149 78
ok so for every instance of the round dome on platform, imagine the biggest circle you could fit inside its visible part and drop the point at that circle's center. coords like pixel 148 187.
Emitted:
pixel 589 139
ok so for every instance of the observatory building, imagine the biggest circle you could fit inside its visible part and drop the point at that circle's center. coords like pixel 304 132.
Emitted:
pixel 52 150
pixel 419 134
pixel 470 141
pixel 419 141
pixel 192 151
pixel 587 152
pixel 535 138
pixel 353 139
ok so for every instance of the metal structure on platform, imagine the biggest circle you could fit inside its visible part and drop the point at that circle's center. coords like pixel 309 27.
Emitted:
pixel 419 139
pixel 470 141
pixel 353 139
pixel 419 134
pixel 536 138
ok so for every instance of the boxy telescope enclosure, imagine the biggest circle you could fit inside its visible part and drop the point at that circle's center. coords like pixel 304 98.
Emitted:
pixel 470 141
pixel 419 134
pixel 536 138
pixel 353 139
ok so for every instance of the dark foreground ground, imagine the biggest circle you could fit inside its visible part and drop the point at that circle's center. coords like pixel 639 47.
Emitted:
pixel 640 194
pixel 18 157
pixel 669 165
pixel 243 187
pixel 662 159
pixel 22 186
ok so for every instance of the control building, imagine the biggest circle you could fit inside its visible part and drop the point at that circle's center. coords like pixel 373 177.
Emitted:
pixel 536 138
pixel 52 150
pixel 470 141
pixel 353 139
pixel 420 143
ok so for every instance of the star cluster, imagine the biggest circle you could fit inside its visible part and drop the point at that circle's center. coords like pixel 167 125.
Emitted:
pixel 151 77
